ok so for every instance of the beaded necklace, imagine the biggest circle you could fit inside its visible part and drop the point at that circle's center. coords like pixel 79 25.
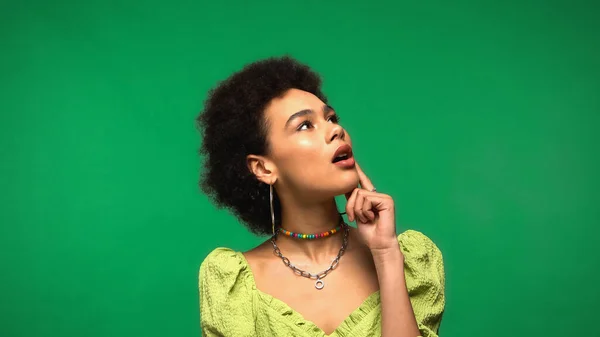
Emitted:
pixel 310 236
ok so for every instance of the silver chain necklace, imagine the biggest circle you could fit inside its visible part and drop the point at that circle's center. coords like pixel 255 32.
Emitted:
pixel 319 284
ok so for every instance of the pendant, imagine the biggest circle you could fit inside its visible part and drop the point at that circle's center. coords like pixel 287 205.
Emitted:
pixel 319 284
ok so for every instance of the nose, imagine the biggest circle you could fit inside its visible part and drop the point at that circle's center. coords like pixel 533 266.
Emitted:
pixel 337 132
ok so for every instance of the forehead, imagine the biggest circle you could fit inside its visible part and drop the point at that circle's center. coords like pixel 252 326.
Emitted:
pixel 292 101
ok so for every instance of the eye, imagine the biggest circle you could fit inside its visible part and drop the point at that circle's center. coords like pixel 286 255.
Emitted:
pixel 304 125
pixel 334 118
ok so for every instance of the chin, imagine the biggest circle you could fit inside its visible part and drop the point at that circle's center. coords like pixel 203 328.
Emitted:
pixel 347 183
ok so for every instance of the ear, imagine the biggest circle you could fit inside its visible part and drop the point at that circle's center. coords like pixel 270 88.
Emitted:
pixel 262 168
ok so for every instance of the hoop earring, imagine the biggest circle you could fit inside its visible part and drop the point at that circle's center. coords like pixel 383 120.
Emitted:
pixel 272 212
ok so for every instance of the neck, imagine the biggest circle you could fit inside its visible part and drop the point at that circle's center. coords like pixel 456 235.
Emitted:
pixel 311 219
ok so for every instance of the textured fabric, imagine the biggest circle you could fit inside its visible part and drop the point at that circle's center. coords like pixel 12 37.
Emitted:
pixel 231 305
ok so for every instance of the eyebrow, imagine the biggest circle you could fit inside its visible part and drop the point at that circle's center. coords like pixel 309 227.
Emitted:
pixel 326 109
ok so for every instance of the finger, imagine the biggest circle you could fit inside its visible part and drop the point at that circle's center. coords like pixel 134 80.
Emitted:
pixel 365 182
pixel 358 206
pixel 350 204
pixel 379 202
pixel 368 208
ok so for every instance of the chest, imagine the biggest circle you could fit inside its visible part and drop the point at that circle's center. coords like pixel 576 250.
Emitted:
pixel 344 290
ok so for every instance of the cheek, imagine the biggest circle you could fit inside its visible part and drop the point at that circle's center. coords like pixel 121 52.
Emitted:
pixel 307 145
pixel 303 151
pixel 301 160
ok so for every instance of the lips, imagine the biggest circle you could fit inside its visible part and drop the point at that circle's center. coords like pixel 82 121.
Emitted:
pixel 342 153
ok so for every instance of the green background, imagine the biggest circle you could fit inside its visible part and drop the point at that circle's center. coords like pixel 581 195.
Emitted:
pixel 479 118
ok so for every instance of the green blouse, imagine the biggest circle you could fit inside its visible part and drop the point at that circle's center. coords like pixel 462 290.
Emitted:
pixel 231 305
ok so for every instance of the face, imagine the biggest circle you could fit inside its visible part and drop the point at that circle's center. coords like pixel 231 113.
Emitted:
pixel 310 153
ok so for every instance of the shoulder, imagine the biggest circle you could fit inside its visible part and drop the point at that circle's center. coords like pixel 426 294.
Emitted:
pixel 417 244
pixel 222 268
pixel 221 258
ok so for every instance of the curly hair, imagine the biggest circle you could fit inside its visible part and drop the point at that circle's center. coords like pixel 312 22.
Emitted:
pixel 233 126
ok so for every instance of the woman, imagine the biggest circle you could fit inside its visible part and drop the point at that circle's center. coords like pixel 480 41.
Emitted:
pixel 276 156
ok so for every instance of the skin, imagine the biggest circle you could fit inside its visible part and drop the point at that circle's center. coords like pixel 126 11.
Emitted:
pixel 299 166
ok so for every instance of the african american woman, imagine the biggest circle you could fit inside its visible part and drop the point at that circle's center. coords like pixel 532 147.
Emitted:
pixel 276 155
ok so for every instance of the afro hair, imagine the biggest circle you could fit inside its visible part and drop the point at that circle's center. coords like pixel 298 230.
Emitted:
pixel 233 125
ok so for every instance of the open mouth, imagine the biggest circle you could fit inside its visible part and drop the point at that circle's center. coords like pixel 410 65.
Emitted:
pixel 343 153
pixel 341 157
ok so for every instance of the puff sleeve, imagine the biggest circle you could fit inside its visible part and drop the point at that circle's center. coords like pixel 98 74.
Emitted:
pixel 425 280
pixel 225 302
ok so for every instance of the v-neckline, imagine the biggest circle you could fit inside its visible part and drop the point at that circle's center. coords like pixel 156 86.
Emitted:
pixel 284 305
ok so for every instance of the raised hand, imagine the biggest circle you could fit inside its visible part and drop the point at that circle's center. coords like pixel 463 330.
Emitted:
pixel 374 214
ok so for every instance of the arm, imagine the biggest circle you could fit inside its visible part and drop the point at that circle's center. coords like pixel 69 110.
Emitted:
pixel 409 267
pixel 397 317
pixel 417 276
